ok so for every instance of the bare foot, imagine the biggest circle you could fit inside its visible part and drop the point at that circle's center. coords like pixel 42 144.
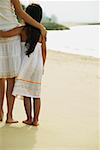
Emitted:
pixel 35 123
pixel 28 121
pixel 10 121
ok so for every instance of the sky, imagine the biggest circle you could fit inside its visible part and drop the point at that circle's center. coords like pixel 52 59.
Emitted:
pixel 70 10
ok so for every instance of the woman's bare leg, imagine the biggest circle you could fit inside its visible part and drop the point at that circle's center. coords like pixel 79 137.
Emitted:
pixel 2 91
pixel 36 105
pixel 10 100
pixel 28 110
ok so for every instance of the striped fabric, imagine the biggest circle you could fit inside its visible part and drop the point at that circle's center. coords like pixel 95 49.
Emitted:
pixel 10 57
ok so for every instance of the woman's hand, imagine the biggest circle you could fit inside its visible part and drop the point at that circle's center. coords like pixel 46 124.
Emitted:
pixel 43 31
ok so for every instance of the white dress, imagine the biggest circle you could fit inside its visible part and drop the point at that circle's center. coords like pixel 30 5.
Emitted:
pixel 10 48
pixel 28 82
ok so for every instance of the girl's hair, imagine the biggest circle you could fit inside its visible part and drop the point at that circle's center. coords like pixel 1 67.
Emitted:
pixel 33 34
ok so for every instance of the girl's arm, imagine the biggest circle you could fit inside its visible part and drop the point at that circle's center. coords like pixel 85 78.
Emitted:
pixel 10 33
pixel 44 51
pixel 28 19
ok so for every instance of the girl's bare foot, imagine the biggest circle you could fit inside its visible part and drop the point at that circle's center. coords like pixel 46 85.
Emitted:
pixel 28 121
pixel 35 123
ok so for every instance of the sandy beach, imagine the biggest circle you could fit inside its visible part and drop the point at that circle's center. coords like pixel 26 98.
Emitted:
pixel 69 118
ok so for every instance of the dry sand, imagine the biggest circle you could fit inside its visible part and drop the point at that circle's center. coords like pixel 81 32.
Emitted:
pixel 69 118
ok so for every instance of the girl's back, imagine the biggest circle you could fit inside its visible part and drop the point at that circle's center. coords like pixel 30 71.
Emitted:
pixel 8 19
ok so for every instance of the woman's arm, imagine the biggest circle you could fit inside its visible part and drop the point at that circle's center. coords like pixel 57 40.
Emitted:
pixel 44 51
pixel 10 33
pixel 28 19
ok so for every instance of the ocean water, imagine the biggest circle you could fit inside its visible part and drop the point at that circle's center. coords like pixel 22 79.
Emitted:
pixel 82 40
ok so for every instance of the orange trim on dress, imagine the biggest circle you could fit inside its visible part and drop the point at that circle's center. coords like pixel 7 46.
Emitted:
pixel 28 81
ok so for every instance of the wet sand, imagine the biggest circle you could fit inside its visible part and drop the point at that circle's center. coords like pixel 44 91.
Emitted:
pixel 69 118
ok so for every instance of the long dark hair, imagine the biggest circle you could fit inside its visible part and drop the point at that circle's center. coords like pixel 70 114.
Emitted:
pixel 33 34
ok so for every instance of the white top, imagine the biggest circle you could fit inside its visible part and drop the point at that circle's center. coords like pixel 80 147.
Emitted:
pixel 8 19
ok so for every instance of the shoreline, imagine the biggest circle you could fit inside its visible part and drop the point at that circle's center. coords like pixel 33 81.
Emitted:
pixel 80 24
pixel 79 56
pixel 81 40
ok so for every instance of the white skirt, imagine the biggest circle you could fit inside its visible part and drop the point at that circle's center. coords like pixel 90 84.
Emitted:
pixel 10 56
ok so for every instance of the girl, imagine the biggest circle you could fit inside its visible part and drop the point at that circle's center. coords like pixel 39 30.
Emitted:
pixel 10 51
pixel 28 81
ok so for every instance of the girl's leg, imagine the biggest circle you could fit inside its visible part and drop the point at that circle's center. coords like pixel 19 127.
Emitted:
pixel 2 91
pixel 36 105
pixel 10 100
pixel 28 110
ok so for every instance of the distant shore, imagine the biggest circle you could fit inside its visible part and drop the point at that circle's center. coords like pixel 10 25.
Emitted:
pixel 78 24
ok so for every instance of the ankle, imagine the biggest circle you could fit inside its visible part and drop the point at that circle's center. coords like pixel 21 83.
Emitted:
pixel 1 112
pixel 9 116
pixel 29 118
pixel 1 115
pixel 35 119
